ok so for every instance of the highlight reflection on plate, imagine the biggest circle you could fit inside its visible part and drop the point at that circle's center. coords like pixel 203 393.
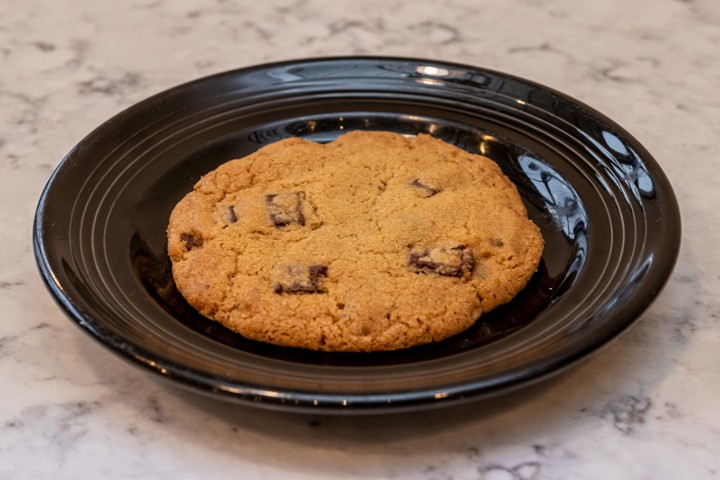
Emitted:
pixel 608 215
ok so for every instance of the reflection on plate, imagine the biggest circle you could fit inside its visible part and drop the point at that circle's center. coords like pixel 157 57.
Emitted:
pixel 608 215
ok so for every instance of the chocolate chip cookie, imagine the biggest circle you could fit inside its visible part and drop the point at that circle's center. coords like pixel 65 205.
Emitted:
pixel 375 241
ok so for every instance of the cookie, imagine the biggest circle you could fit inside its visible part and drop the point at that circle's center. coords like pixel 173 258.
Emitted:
pixel 372 242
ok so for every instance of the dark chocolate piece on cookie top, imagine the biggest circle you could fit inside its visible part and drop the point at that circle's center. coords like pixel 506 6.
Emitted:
pixel 295 278
pixel 191 241
pixel 447 260
pixel 285 209
pixel 424 188
pixel 231 214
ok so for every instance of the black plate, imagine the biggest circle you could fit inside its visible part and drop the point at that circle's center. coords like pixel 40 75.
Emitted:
pixel 609 217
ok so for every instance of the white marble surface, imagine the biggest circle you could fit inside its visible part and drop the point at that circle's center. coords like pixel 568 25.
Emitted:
pixel 646 407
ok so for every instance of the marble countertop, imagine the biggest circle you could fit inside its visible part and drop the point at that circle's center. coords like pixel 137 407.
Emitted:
pixel 645 407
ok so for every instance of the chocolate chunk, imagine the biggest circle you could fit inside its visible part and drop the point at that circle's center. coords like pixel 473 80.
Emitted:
pixel 294 278
pixel 231 215
pixel 449 261
pixel 191 241
pixel 285 209
pixel 427 190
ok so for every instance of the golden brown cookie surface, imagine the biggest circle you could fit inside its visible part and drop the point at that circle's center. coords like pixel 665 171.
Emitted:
pixel 372 242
